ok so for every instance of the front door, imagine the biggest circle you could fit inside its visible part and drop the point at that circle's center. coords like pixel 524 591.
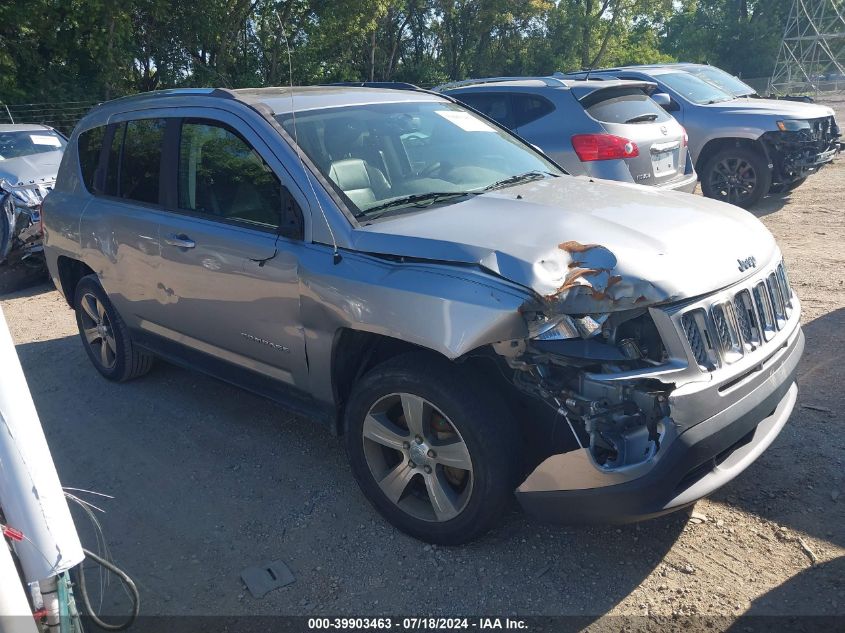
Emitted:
pixel 228 281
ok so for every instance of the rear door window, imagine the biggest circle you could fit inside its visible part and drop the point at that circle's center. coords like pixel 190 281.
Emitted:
pixel 140 163
pixel 89 145
pixel 497 106
pixel 113 158
pixel 623 105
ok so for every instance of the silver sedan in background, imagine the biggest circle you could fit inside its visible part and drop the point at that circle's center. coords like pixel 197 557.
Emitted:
pixel 605 129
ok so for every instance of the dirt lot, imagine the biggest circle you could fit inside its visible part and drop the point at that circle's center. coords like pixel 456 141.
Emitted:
pixel 209 480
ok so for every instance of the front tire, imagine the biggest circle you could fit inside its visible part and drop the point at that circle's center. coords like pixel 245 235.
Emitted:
pixel 736 175
pixel 105 336
pixel 432 448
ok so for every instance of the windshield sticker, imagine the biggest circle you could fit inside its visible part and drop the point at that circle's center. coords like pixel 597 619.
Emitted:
pixel 42 139
pixel 465 121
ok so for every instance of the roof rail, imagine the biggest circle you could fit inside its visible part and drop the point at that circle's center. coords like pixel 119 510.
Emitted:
pixel 552 82
pixel 223 93
pixel 395 85
pixel 580 75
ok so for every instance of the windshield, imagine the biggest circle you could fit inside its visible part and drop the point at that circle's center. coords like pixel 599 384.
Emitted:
pixel 17 144
pixel 408 155
pixel 694 89
pixel 723 80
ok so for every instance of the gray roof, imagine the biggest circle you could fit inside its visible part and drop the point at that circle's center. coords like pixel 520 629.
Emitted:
pixel 278 100
pixel 559 84
pixel 652 69
pixel 23 127
pixel 313 97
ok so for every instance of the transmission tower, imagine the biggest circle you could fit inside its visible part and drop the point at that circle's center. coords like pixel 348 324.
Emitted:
pixel 812 52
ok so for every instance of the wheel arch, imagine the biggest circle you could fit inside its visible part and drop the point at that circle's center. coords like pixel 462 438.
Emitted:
pixel 355 352
pixel 716 145
pixel 70 271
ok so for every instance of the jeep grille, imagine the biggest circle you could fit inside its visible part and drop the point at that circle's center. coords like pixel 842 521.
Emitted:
pixel 740 323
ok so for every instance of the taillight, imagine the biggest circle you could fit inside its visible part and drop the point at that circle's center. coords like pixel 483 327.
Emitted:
pixel 686 138
pixel 590 147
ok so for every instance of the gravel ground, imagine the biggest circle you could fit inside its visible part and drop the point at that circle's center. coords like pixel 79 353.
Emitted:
pixel 208 480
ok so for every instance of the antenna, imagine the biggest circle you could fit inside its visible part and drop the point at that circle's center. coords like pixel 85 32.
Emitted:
pixel 335 252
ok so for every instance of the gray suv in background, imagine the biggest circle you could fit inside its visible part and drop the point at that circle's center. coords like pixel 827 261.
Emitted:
pixel 743 146
pixel 609 130
pixel 468 317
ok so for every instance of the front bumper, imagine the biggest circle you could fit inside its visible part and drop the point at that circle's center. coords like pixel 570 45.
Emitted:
pixel 704 457
pixel 809 164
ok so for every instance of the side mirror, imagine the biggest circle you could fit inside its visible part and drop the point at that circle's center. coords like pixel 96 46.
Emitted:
pixel 662 99
pixel 666 102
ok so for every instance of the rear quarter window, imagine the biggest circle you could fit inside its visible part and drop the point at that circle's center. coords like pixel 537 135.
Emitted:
pixel 530 108
pixel 495 105
pixel 629 105
pixel 88 147
pixel 140 162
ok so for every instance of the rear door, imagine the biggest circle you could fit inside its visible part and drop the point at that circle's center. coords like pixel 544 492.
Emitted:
pixel 231 239
pixel 627 112
pixel 119 226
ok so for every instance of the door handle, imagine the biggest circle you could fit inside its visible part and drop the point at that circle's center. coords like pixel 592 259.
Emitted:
pixel 181 240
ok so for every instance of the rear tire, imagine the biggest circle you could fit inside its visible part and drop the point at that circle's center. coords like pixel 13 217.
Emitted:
pixel 105 336
pixel 401 466
pixel 736 175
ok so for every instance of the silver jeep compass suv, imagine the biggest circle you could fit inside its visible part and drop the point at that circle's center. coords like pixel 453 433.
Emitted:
pixel 470 318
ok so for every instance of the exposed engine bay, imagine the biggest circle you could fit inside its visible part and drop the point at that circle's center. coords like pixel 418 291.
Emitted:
pixel 571 366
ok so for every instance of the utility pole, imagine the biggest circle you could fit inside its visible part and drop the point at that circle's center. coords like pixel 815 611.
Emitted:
pixel 812 51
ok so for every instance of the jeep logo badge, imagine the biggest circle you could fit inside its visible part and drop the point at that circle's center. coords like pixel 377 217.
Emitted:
pixel 745 264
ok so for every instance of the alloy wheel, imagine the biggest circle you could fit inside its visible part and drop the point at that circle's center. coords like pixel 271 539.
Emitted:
pixel 733 179
pixel 417 457
pixel 97 330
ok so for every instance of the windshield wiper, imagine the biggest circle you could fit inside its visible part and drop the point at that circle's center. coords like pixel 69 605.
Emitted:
pixel 515 180
pixel 415 199
pixel 648 116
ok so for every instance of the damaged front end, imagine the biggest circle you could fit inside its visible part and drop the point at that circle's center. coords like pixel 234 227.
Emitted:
pixel 577 365
pixel 801 147
pixel 20 221
pixel 617 425
pixel 625 380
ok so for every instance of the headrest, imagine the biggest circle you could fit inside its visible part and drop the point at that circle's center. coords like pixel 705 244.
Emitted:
pixel 350 174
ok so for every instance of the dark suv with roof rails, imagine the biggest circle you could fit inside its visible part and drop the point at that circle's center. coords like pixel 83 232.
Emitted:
pixel 744 147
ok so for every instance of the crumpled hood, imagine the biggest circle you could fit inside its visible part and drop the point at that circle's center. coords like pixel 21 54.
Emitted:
pixel 33 169
pixel 585 245
pixel 782 109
